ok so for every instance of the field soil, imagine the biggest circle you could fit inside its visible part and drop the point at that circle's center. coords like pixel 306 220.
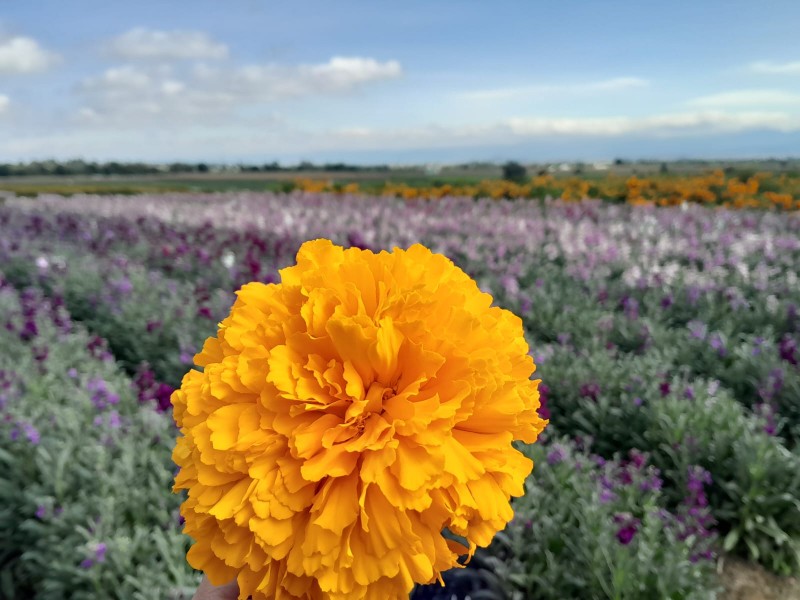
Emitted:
pixel 748 581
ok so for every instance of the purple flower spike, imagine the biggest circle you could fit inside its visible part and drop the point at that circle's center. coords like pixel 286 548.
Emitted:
pixel 787 350
pixel 606 496
pixel 556 456
pixel 31 433
pixel 100 552
pixel 626 534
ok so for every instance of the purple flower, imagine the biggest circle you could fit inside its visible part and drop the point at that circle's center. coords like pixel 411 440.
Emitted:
pixel 87 563
pixel 122 286
pixel 31 433
pixel 652 483
pixel 767 413
pixel 73 373
pixel 626 534
pixel 41 511
pixel 96 345
pixel 100 552
pixel 29 331
pixel 625 477
pixel 187 356
pixel 628 529
pixel 162 395
pixel 356 240
pixel 590 390
pixel 114 421
pixel 637 401
pixel 772 386
pixel 638 459
pixel 717 343
pixel 510 285
pixel 544 411
pixel 696 481
pixel 630 307
pixel 787 349
pixel 664 388
pixel 556 456
pixel 606 496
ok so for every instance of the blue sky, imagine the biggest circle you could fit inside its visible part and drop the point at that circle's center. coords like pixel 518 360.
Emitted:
pixel 399 82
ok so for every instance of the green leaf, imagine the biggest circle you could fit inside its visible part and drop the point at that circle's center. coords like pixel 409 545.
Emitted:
pixel 730 540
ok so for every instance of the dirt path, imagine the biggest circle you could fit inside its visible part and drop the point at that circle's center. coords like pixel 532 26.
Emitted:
pixel 746 581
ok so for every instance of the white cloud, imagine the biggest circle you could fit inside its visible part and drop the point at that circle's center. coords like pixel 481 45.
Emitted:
pixel 665 124
pixel 118 79
pixel 341 71
pixel 768 67
pixel 5 102
pixel 746 98
pixel 514 130
pixel 151 44
pixel 273 81
pixel 21 54
pixel 135 94
pixel 230 139
pixel 607 85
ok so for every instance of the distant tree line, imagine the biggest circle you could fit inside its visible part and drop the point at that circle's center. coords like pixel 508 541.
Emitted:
pixel 89 168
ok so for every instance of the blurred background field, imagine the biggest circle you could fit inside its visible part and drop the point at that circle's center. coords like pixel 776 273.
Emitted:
pixel 623 176
pixel 666 339
pixel 747 183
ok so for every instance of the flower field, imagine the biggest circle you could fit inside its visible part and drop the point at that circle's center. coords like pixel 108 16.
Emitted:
pixel 665 337
pixel 715 188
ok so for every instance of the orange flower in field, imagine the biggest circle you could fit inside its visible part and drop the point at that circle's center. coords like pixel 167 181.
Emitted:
pixel 347 416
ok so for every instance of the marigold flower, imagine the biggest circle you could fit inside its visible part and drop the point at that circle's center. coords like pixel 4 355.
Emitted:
pixel 345 418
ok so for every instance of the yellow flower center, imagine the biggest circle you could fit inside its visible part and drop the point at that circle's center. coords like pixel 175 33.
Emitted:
pixel 361 410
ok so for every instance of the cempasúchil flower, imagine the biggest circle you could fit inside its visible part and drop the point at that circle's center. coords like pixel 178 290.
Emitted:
pixel 346 419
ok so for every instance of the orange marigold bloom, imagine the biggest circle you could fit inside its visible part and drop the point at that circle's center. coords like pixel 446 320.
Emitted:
pixel 347 416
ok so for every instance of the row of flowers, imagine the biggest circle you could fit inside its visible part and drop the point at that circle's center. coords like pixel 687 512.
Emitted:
pixel 760 190
pixel 672 332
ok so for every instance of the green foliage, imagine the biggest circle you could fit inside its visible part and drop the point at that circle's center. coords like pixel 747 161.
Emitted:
pixel 567 538
pixel 122 313
pixel 85 474
pixel 756 479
